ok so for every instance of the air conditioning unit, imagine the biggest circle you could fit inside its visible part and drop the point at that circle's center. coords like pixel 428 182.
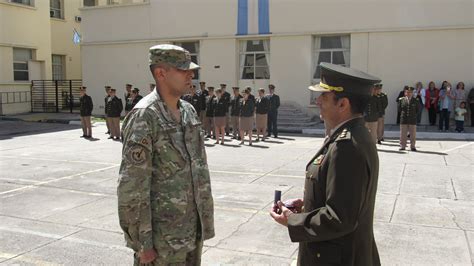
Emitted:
pixel 78 19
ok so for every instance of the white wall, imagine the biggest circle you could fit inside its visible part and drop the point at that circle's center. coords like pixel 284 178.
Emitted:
pixel 115 65
pixel 400 42
pixel 403 58
pixel 291 67
pixel 222 53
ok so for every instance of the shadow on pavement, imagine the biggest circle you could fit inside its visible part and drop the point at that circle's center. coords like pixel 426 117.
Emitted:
pixel 12 129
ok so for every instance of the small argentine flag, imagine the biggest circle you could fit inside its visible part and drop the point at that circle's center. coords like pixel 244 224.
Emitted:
pixel 76 38
pixel 253 17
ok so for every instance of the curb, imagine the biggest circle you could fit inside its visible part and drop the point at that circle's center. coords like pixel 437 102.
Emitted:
pixel 396 134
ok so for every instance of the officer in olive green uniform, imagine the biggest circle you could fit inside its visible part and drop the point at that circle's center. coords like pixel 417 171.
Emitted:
pixel 408 106
pixel 165 202
pixel 383 103
pixel 372 113
pixel 334 222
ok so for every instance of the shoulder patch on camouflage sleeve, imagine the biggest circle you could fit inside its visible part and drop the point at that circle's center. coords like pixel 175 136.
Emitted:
pixel 137 154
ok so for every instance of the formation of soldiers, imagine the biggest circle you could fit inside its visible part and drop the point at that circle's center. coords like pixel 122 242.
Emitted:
pixel 408 108
pixel 375 113
pixel 114 107
pixel 238 114
pixel 165 203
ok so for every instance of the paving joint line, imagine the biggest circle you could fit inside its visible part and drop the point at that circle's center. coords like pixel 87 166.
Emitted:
pixel 453 215
pixel 55 160
pixel 304 154
pixel 54 180
pixel 469 246
pixel 73 208
pixel 236 229
pixel 41 246
pixel 454 189
pixel 251 253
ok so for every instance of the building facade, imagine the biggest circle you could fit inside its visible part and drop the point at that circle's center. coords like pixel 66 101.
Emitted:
pixel 281 42
pixel 36 43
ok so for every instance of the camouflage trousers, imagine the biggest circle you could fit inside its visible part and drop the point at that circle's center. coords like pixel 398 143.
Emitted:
pixel 192 258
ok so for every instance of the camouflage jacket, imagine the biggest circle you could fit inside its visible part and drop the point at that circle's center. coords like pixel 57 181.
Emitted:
pixel 164 187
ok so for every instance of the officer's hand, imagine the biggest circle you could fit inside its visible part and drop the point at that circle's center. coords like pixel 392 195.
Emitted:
pixel 147 256
pixel 295 205
pixel 281 215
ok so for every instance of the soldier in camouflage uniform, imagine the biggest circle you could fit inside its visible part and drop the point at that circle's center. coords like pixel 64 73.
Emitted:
pixel 164 193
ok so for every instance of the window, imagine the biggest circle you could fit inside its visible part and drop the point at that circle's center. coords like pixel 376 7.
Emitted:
pixel 330 49
pixel 23 2
pixel 90 3
pixel 58 67
pixel 193 48
pixel 20 63
pixel 56 9
pixel 254 59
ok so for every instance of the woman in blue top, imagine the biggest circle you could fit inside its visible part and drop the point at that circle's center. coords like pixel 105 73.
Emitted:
pixel 445 105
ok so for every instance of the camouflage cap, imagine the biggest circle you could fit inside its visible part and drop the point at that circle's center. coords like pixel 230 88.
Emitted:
pixel 173 55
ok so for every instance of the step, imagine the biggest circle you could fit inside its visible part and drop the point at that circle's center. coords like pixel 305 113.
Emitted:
pixel 306 125
pixel 295 119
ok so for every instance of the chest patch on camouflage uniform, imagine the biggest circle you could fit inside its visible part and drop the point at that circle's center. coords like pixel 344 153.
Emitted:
pixel 137 155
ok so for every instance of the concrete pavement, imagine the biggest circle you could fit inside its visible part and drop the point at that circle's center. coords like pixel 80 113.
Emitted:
pixel 58 203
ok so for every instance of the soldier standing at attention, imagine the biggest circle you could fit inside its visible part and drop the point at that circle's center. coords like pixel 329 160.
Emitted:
pixel 209 122
pixel 220 107
pixel 195 101
pixel 262 105
pixel 136 97
pixel 372 114
pixel 235 112
pixel 273 112
pixel 128 98
pixel 226 98
pixel 335 227
pixel 115 107
pixel 247 116
pixel 408 106
pixel 106 100
pixel 202 96
pixel 383 103
pixel 165 203
pixel 86 107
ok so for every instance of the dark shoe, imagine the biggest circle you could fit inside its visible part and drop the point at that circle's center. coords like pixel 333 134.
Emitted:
pixel 379 142
pixel 110 137
pixel 276 136
pixel 88 137
pixel 382 139
pixel 227 133
pixel 413 149
pixel 108 132
pixel 250 144
pixel 269 135
pixel 83 136
pixel 401 149
pixel 239 138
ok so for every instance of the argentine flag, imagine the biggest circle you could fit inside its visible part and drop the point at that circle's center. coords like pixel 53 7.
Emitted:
pixel 253 17
pixel 76 38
